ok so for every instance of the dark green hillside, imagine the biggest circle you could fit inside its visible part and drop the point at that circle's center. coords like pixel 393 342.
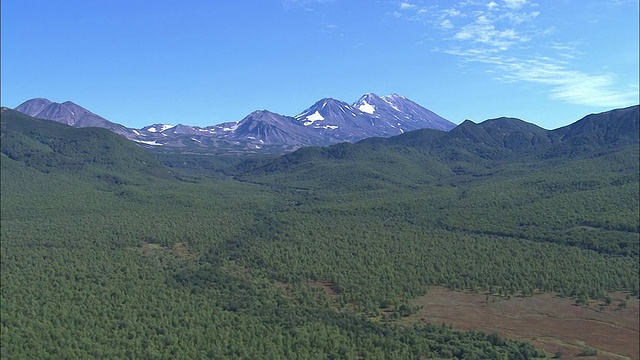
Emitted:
pixel 612 129
pixel 310 255
pixel 515 134
pixel 520 193
pixel 52 146
pixel 472 138
pixel 347 167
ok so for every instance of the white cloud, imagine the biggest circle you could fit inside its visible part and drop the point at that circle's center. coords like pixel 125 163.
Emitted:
pixel 514 4
pixel 566 51
pixel 521 17
pixel 446 24
pixel 473 54
pixel 407 6
pixel 576 87
pixel 505 37
pixel 567 85
pixel 485 32
pixel 452 12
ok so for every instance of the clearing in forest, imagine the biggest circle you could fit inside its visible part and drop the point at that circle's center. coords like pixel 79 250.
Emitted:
pixel 552 323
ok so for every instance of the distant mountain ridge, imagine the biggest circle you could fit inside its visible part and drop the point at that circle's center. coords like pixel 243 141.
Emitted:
pixel 330 121
pixel 68 113
pixel 505 137
pixel 326 122
pixel 470 148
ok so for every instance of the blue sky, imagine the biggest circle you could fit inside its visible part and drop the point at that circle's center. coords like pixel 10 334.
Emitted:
pixel 202 62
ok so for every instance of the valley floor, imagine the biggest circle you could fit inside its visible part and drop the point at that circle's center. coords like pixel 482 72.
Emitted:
pixel 549 322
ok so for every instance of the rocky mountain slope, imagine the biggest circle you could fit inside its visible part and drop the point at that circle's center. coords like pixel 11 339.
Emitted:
pixel 68 113
pixel 326 122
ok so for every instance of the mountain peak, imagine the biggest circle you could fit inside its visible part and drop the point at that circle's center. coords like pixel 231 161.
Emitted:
pixel 399 114
pixel 368 103
pixel 394 96
pixel 67 113
pixel 262 114
pixel 328 102
pixel 323 108
pixel 370 96
pixel 41 100
pixel 33 107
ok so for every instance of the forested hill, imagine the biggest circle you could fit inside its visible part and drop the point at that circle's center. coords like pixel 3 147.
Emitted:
pixel 611 129
pixel 52 146
pixel 508 136
pixel 503 176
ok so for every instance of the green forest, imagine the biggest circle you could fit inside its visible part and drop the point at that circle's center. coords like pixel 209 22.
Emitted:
pixel 109 250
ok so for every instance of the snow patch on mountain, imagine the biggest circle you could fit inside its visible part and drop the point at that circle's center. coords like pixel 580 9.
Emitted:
pixel 232 128
pixel 366 107
pixel 147 142
pixel 160 128
pixel 313 118
pixel 390 102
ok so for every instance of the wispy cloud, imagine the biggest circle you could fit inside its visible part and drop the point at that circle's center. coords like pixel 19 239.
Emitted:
pixel 565 84
pixel 446 24
pixel 569 85
pixel 406 5
pixel 483 30
pixel 514 4
pixel 493 5
pixel 521 17
pixel 503 36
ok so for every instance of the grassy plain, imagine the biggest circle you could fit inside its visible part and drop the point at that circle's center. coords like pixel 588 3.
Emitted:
pixel 550 322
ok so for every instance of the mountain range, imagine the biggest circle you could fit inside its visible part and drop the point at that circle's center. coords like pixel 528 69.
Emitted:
pixel 468 148
pixel 326 122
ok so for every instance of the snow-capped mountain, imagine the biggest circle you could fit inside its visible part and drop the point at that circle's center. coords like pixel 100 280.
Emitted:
pixel 398 114
pixel 326 122
pixel 267 128
pixel 371 115
pixel 336 120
